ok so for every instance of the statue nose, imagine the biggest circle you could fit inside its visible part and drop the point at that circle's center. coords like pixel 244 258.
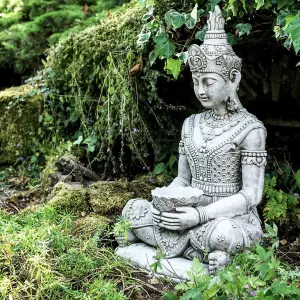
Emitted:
pixel 201 90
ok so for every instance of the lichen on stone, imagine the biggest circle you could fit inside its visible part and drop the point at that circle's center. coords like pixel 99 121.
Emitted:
pixel 19 122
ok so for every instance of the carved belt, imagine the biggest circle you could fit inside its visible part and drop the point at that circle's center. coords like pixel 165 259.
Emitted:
pixel 216 189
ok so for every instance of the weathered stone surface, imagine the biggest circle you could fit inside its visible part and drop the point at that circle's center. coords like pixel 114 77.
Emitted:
pixel 142 255
pixel 19 122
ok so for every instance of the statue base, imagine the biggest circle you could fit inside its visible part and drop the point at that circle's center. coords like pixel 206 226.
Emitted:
pixel 141 255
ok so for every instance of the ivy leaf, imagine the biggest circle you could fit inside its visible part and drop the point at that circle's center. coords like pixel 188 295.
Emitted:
pixel 194 12
pixel 161 38
pixel 91 142
pixel 231 38
pixel 283 3
pixel 244 4
pixel 213 4
pixel 168 19
pixel 173 67
pixel 288 44
pixel 143 38
pixel 160 168
pixel 165 49
pixel 152 57
pixel 172 160
pixel 78 141
pixel 148 15
pixel 177 19
pixel 244 28
pixel 259 4
pixel 183 56
pixel 170 296
pixel 293 29
pixel 298 64
pixel 193 294
pixel 190 22
pixel 201 33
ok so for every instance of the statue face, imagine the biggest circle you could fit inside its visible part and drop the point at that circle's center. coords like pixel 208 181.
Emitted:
pixel 211 89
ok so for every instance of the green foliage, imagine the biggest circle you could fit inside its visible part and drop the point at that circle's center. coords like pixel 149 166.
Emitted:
pixel 254 274
pixel 93 106
pixel 170 28
pixel 29 27
pixel 43 257
pixel 281 202
pixel 121 227
pixel 159 256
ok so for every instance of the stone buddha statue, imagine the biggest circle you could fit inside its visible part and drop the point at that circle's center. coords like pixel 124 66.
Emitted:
pixel 222 152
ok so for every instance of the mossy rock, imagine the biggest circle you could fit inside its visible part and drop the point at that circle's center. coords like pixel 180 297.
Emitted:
pixel 65 197
pixel 143 185
pixel 104 198
pixel 109 197
pixel 90 225
pixel 19 122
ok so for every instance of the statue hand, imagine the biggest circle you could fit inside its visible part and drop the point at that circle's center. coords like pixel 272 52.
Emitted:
pixel 155 215
pixel 186 218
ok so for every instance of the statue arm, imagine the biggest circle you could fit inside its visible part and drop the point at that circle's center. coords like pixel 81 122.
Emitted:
pixel 253 168
pixel 184 172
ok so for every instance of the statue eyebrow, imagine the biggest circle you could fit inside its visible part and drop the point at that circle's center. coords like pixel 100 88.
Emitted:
pixel 204 77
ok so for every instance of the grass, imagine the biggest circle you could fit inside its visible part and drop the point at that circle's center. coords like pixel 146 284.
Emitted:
pixel 49 254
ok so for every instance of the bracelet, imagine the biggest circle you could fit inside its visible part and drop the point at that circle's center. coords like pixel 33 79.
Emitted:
pixel 248 200
pixel 203 217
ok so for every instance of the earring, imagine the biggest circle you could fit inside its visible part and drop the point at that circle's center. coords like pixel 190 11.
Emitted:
pixel 231 105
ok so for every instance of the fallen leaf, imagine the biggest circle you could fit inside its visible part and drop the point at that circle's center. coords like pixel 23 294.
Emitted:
pixel 85 9
pixel 137 68
pixel 283 242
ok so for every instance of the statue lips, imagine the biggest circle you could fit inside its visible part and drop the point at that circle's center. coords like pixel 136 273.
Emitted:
pixel 203 99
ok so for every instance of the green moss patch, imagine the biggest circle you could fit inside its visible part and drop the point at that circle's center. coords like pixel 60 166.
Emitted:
pixel 19 123
pixel 109 197
pixel 104 197
pixel 66 198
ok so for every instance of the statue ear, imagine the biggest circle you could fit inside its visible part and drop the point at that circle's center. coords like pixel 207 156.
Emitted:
pixel 235 76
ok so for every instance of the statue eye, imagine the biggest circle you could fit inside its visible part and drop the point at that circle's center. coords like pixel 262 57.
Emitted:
pixel 195 82
pixel 210 81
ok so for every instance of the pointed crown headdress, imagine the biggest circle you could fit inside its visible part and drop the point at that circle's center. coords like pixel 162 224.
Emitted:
pixel 215 55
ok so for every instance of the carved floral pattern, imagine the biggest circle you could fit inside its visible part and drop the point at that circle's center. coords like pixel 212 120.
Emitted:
pixel 221 237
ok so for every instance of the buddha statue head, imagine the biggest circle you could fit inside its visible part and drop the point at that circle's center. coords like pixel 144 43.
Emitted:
pixel 215 68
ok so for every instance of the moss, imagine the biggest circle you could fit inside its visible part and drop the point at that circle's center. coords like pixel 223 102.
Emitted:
pixel 104 197
pixel 66 198
pixel 89 225
pixel 109 197
pixel 19 122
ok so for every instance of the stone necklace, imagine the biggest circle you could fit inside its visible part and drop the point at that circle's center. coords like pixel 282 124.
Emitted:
pixel 218 124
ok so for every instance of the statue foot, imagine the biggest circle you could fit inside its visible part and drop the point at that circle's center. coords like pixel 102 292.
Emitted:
pixel 216 260
pixel 191 253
